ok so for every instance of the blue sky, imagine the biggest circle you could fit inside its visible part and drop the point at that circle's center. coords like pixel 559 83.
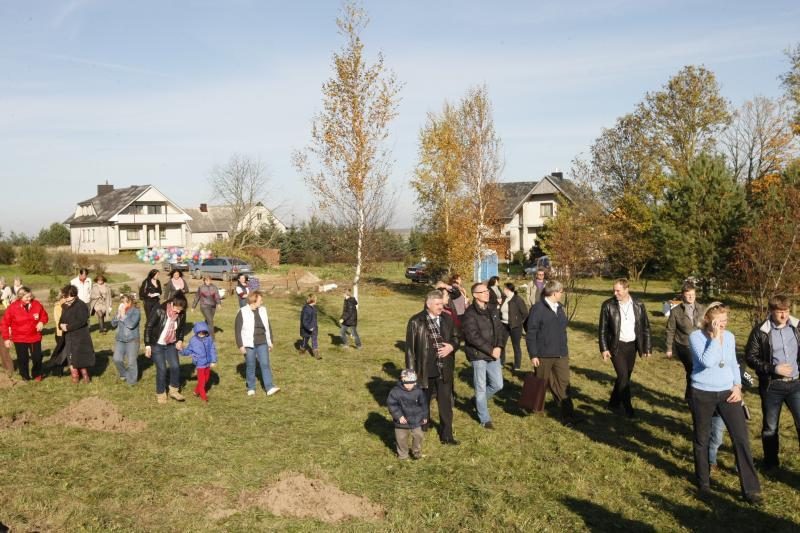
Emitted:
pixel 159 92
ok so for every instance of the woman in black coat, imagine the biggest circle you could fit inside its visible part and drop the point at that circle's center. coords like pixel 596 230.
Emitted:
pixel 78 345
pixel 150 292
pixel 513 312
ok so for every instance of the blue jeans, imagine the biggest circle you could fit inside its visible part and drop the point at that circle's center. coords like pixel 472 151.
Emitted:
pixel 260 352
pixel 343 335
pixel 313 341
pixel 772 400
pixel 715 439
pixel 163 357
pixel 125 354
pixel 487 377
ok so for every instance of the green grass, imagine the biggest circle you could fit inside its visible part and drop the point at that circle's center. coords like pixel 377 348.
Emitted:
pixel 330 421
pixel 42 283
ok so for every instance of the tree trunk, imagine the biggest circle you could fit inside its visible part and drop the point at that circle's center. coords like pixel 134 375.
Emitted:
pixel 359 250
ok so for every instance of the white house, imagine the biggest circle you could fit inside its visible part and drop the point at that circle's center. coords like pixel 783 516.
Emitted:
pixel 139 216
pixel 211 223
pixel 527 205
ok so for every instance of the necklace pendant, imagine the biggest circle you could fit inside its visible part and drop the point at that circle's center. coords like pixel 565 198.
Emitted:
pixel 721 364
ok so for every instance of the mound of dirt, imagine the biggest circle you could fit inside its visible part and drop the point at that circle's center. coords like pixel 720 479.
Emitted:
pixel 15 421
pixel 6 381
pixel 95 413
pixel 304 278
pixel 298 496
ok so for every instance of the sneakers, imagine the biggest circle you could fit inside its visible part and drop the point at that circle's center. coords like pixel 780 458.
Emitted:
pixel 488 425
pixel 273 390
pixel 251 392
pixel 161 398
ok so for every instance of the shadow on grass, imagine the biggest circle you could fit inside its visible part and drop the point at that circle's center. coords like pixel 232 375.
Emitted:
pixel 380 426
pixel 408 288
pixel 723 515
pixel 379 387
pixel 645 394
pixel 336 340
pixel 597 518
pixel 400 345
pixel 102 359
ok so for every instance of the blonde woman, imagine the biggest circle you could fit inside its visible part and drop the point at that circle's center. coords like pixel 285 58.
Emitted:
pixel 717 386
pixel 126 342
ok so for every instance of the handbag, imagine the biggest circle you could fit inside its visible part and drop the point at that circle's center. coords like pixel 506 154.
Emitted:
pixel 533 391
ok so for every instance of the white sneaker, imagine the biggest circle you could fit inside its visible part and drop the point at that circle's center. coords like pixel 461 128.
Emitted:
pixel 273 390
pixel 251 392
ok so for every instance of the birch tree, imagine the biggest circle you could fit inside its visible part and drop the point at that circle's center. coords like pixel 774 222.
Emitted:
pixel 482 164
pixel 346 164
pixel 241 185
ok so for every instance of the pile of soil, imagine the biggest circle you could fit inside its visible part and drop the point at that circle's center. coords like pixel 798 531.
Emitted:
pixel 95 413
pixel 298 496
pixel 15 421
pixel 304 278
pixel 6 381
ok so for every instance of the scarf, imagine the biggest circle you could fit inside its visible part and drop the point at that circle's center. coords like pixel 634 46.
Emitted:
pixel 172 324
pixel 436 337
pixel 179 284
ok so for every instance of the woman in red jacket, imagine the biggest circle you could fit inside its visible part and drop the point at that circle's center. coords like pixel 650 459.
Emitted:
pixel 22 324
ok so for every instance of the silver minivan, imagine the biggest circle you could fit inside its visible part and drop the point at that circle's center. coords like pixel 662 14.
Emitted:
pixel 224 268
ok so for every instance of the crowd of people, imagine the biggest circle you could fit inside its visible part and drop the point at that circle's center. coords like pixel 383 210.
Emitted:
pixel 480 322
pixel 697 334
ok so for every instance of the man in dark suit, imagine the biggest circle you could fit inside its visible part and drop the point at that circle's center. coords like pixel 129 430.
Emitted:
pixel 684 319
pixel 430 347
pixel 624 332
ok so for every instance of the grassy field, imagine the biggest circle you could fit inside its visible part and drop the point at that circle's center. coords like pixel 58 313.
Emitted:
pixel 195 467
pixel 42 283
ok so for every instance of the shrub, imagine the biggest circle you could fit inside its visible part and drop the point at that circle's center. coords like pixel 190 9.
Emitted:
pixel 33 259
pixel 62 263
pixel 7 254
pixel 82 261
pixel 53 295
pixel 98 269
pixel 125 289
pixel 519 258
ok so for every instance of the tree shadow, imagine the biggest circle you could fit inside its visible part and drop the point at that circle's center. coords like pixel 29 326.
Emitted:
pixel 600 519
pixel 408 288
pixel 400 345
pixel 648 395
pixel 380 426
pixel 721 515
pixel 584 327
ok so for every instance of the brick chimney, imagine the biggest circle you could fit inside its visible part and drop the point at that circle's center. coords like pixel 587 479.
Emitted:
pixel 204 208
pixel 104 189
pixel 557 174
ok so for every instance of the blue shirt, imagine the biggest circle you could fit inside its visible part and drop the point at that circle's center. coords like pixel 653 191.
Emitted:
pixel 707 354
pixel 784 347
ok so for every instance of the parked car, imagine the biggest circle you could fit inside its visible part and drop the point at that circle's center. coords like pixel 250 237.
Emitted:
pixel 169 266
pixel 543 263
pixel 422 273
pixel 224 268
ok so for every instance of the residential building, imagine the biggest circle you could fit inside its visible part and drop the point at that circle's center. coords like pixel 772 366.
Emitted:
pixel 211 223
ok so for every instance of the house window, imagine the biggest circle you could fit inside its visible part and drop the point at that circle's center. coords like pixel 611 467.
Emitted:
pixel 154 209
pixel 258 216
pixel 92 235
pixel 546 210
pixel 162 234
pixel 134 209
pixel 219 236
pixel 531 231
pixel 132 234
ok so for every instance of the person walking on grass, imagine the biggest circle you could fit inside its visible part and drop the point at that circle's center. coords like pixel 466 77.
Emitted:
pixel 58 359
pixel 22 325
pixel 83 283
pixel 78 345
pixel 483 336
pixel 535 287
pixel 624 331
pixel 163 339
pixel 683 320
pixel 409 410
pixel 150 293
pixel 175 284
pixel 547 346
pixel 100 301
pixel 126 341
pixel 207 296
pixel 513 313
pixel 254 339
pixel 772 351
pixel 349 320
pixel 717 386
pixel 204 356
pixel 430 353
pixel 242 289
pixel 6 294
pixel 309 328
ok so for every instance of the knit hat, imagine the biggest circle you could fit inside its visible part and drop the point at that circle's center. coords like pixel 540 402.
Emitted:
pixel 408 376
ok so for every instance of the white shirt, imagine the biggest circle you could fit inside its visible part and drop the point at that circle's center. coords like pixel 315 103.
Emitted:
pixel 84 289
pixel 627 321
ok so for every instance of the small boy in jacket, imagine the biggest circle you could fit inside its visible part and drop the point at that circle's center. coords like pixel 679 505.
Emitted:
pixel 204 356
pixel 409 410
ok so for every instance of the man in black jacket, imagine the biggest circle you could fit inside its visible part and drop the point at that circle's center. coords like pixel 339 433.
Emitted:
pixel 483 341
pixel 547 345
pixel 624 332
pixel 349 320
pixel 430 346
pixel 772 351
